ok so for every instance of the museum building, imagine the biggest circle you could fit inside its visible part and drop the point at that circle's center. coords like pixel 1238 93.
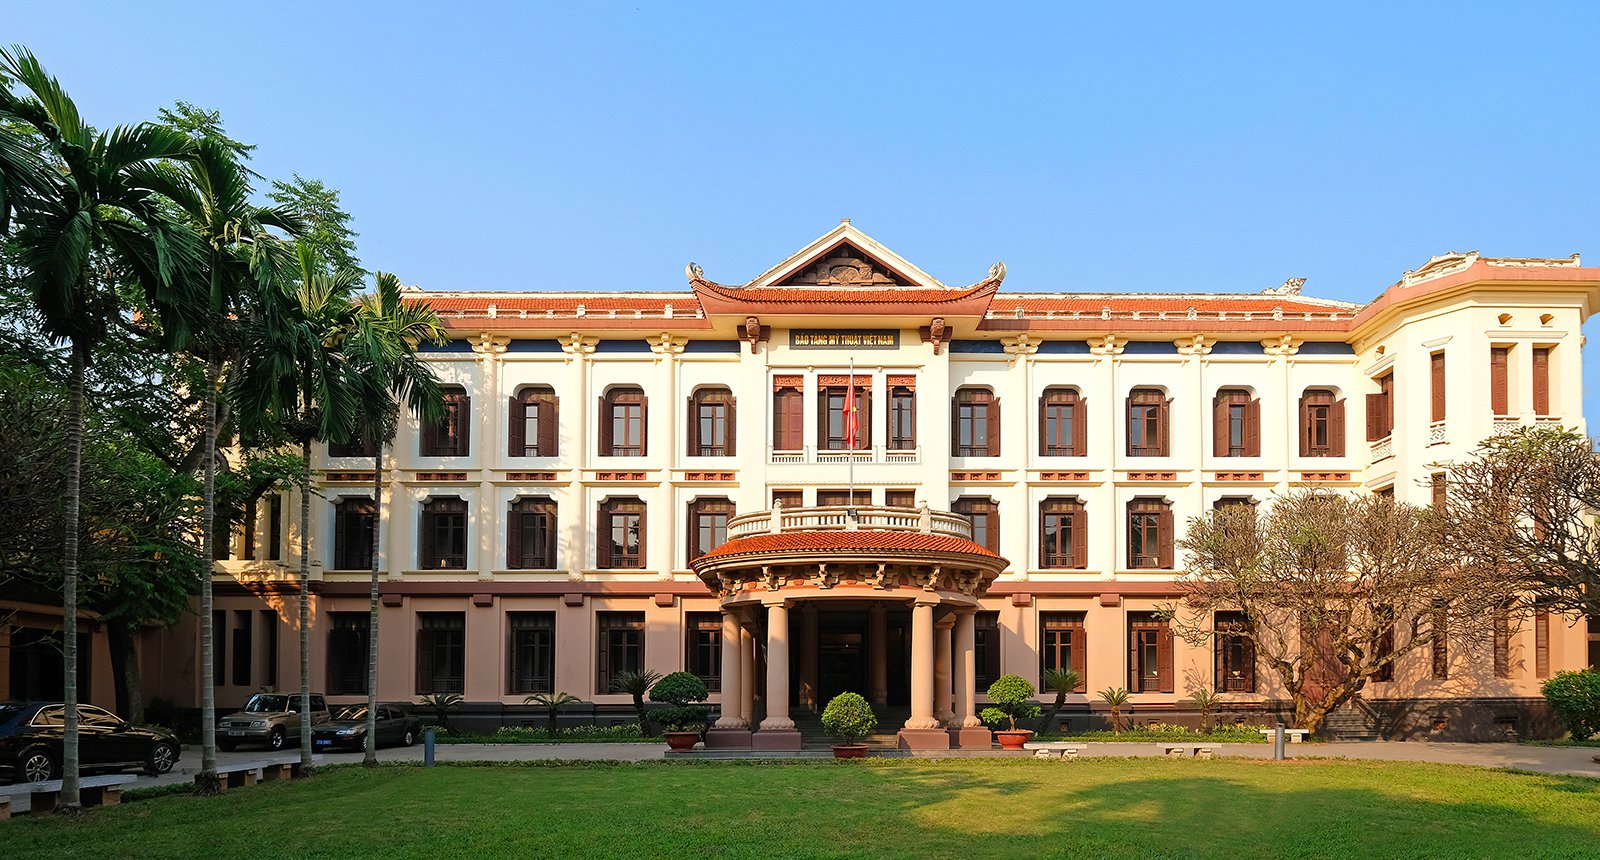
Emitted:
pixel 846 475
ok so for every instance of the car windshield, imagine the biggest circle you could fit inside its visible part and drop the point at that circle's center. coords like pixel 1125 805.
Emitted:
pixel 265 704
pixel 351 712
pixel 9 713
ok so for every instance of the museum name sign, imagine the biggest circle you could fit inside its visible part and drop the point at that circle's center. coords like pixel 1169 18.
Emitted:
pixel 824 339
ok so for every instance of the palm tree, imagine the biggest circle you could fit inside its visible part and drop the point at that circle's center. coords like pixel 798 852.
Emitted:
pixel 637 684
pixel 552 703
pixel 1115 698
pixel 295 379
pixel 86 220
pixel 1062 681
pixel 240 258
pixel 385 346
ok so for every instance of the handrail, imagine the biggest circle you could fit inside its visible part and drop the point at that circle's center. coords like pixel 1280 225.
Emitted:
pixel 850 518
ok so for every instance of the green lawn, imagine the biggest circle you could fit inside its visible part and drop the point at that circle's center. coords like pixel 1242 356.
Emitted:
pixel 987 808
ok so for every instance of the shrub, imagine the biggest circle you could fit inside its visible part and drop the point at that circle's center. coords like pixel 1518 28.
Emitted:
pixel 679 691
pixel 553 703
pixel 636 684
pixel 1575 697
pixel 441 704
pixel 849 718
pixel 1013 700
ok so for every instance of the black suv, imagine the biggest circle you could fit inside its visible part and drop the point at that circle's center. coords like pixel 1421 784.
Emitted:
pixel 31 735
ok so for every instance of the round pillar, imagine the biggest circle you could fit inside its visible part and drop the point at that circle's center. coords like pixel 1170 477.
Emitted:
pixel 732 673
pixel 922 668
pixel 943 711
pixel 777 669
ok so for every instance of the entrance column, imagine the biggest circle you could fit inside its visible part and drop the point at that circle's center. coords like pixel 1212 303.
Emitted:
pixel 942 709
pixel 777 730
pixel 878 654
pixel 922 731
pixel 967 730
pixel 731 729
pixel 747 676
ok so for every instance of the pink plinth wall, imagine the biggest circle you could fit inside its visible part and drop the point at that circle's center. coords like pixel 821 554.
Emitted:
pixel 924 739
pixel 975 738
pixel 728 739
pixel 769 739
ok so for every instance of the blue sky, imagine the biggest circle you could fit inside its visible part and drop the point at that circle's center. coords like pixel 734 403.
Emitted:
pixel 1164 147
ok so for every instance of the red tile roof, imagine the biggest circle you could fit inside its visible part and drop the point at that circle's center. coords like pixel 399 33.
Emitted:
pixel 896 543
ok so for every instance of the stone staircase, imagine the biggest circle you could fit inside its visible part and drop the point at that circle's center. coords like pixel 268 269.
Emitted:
pixel 1352 723
pixel 813 737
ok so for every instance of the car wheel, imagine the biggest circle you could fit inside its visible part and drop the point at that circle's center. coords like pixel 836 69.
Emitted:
pixel 275 741
pixel 36 765
pixel 227 746
pixel 161 759
pixel 409 739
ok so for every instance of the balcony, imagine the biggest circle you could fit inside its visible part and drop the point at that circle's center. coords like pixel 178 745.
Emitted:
pixel 1383 449
pixel 827 456
pixel 847 518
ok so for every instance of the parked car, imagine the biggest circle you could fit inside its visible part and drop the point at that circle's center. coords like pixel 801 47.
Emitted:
pixel 31 735
pixel 268 718
pixel 348 728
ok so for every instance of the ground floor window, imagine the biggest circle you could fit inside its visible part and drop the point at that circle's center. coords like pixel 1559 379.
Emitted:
pixel 621 646
pixel 704 648
pixel 347 653
pixel 1236 654
pixel 441 652
pixel 1062 645
pixel 243 656
pixel 533 652
pixel 1150 654
pixel 986 649
pixel 37 669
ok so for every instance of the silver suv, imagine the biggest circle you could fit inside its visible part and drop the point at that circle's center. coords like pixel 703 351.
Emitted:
pixel 268 718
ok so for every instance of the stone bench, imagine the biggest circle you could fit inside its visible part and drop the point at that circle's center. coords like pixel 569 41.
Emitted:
pixel 46 796
pixel 1295 735
pixel 1174 749
pixel 243 774
pixel 1063 750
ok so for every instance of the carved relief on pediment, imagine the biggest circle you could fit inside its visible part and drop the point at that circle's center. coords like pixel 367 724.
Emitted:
pixel 844 267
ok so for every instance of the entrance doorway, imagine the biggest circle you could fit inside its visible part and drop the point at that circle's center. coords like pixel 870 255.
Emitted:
pixel 843 648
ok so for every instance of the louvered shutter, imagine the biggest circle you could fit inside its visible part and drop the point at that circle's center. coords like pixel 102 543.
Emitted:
pixel 730 433
pixel 1127 419
pixel 1164 658
pixel 1080 538
pixel 602 543
pixel 643 535
pixel 424 662
pixel 516 428
pixel 1436 371
pixel 1336 429
pixel 693 436
pixel 549 426
pixel 1080 657
pixel 1044 441
pixel 644 425
pixel 425 541
pixel 1219 425
pixel 464 426
pixel 1249 668
pixel 604 411
pixel 1305 429
pixel 955 427
pixel 1497 380
pixel 1080 428
pixel 1541 380
pixel 1252 428
pixel 1375 415
pixel 822 419
pixel 1164 519
pixel 514 538
pixel 1133 660
pixel 994 427
pixel 1541 645
pixel 428 443
pixel 1164 433
pixel 864 421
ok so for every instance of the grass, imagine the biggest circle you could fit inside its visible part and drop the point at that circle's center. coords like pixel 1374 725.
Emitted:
pixel 1564 742
pixel 626 733
pixel 1104 807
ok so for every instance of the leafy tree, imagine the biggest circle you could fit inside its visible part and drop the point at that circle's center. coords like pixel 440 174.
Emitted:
pixel 328 231
pixel 83 197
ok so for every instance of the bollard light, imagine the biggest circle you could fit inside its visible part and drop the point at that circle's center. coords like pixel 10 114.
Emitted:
pixel 427 747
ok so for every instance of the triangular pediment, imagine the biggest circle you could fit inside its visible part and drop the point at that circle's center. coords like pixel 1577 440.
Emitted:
pixel 845 257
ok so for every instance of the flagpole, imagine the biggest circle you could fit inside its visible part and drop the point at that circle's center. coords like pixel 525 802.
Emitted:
pixel 854 431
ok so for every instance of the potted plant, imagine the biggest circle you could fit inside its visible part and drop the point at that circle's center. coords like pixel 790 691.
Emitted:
pixel 1012 696
pixel 849 718
pixel 681 720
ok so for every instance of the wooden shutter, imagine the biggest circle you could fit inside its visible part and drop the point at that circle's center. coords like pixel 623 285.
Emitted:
pixel 822 418
pixel 1080 428
pixel 604 411
pixel 424 662
pixel 1080 657
pixel 644 535
pixel 1164 524
pixel 955 427
pixel 428 444
pixel 1541 380
pixel 425 543
pixel 1436 370
pixel 1164 428
pixel 1127 423
pixel 1252 428
pixel 464 426
pixel 549 441
pixel 644 424
pixel 1133 660
pixel 1044 443
pixel 1164 658
pixel 1305 430
pixel 1497 379
pixel 1336 429
pixel 1219 425
pixel 514 538
pixel 994 427
pixel 517 426
pixel 1249 668
pixel 864 421
pixel 1541 644
pixel 1219 644
pixel 602 544
pixel 1375 414
pixel 693 436
pixel 1080 539
pixel 1502 644
pixel 730 432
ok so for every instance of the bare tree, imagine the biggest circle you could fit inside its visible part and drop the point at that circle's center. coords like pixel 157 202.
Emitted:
pixel 1332 589
pixel 1524 508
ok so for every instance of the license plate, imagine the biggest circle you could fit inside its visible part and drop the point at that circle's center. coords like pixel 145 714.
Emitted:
pixel 235 734
pixel 324 743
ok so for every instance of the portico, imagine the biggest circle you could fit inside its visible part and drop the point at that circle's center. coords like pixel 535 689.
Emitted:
pixel 783 572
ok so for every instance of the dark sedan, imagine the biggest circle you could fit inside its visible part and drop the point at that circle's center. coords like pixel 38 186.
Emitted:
pixel 348 729
pixel 31 736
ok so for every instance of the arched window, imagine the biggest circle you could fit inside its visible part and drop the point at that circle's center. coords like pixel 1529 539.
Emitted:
pixel 1063 534
pixel 1149 534
pixel 531 534
pixel 1063 426
pixel 984 514
pixel 622 423
pixel 443 544
pixel 450 435
pixel 975 423
pixel 1148 411
pixel 708 525
pixel 534 424
pixel 1321 424
pixel 1235 424
pixel 711 423
pixel 620 536
pixel 352 534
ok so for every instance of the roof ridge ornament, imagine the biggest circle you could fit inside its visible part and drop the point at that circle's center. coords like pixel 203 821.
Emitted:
pixel 1290 287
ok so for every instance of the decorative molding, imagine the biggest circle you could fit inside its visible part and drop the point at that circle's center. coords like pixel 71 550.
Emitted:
pixel 975 476
pixel 1021 346
pixel 1196 346
pixel 441 476
pixel 1064 476
pixel 531 476
pixel 1438 341
pixel 1162 477
pixel 1248 477
pixel 1282 346
pixel 934 333
pixel 903 380
pixel 829 379
pixel 488 345
pixel 347 478
pixel 668 346
pixel 755 333
pixel 619 476
pixel 710 476
pixel 795 381
pixel 1324 477
pixel 1290 287
pixel 1109 344
pixel 579 346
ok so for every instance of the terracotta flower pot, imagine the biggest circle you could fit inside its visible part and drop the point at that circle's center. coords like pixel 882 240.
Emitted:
pixel 681 741
pixel 1013 739
pixel 850 751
